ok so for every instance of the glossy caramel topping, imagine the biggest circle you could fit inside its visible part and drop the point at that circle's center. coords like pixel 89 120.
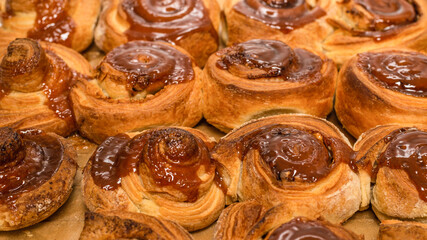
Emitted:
pixel 30 158
pixel 53 24
pixel 167 20
pixel 299 229
pixel 407 150
pixel 285 15
pixel 171 157
pixel 405 72
pixel 150 66
pixel 269 58
pixel 296 154
pixel 382 18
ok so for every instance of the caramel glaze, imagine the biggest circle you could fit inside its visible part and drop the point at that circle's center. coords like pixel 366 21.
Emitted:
pixel 28 160
pixel 387 17
pixel 298 155
pixel 53 24
pixel 167 20
pixel 285 15
pixel 171 156
pixel 405 72
pixel 150 66
pixel 406 150
pixel 270 58
pixel 299 228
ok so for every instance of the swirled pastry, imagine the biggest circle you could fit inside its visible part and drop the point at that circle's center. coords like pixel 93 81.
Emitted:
pixel 392 229
pixel 139 85
pixel 191 24
pixel 300 161
pixel 165 172
pixel 382 87
pixel 296 22
pixel 265 77
pixel 364 25
pixel 394 159
pixel 35 81
pixel 36 176
pixel 251 220
pixel 123 225
pixel 67 22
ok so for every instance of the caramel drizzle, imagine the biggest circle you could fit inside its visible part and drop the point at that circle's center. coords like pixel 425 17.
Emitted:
pixel 53 24
pixel 169 21
pixel 300 228
pixel 34 159
pixel 172 157
pixel 286 15
pixel 294 154
pixel 404 72
pixel 258 59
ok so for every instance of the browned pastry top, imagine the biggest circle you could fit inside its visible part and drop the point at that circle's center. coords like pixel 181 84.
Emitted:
pixel 28 159
pixel 405 72
pixel 257 58
pixel 296 154
pixel 171 157
pixel 166 20
pixel 301 228
pixel 149 66
pixel 407 150
pixel 380 19
pixel 285 15
pixel 27 67
pixel 52 24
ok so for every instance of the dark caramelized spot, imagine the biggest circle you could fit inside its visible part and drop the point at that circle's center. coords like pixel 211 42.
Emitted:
pixel 405 72
pixel 296 154
pixel 172 157
pixel 285 15
pixel 298 229
pixel 269 58
pixel 53 24
pixel 10 147
pixel 148 66
pixel 36 158
pixel 407 150
pixel 168 20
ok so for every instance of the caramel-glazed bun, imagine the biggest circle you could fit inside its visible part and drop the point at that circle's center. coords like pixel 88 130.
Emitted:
pixel 392 159
pixel 300 161
pixel 364 25
pixel 67 22
pixel 381 87
pixel 139 85
pixel 191 24
pixel 125 225
pixel 35 81
pixel 259 78
pixel 36 176
pixel 251 220
pixel 164 172
pixel 392 230
pixel 296 22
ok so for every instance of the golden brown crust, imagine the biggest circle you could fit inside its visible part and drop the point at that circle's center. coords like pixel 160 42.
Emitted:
pixel 25 103
pixel 361 104
pixel 34 206
pixel 242 28
pixel 251 220
pixel 394 196
pixel 230 100
pixel 341 45
pixel 111 28
pixel 83 13
pixel 392 229
pixel 124 225
pixel 140 194
pixel 335 197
